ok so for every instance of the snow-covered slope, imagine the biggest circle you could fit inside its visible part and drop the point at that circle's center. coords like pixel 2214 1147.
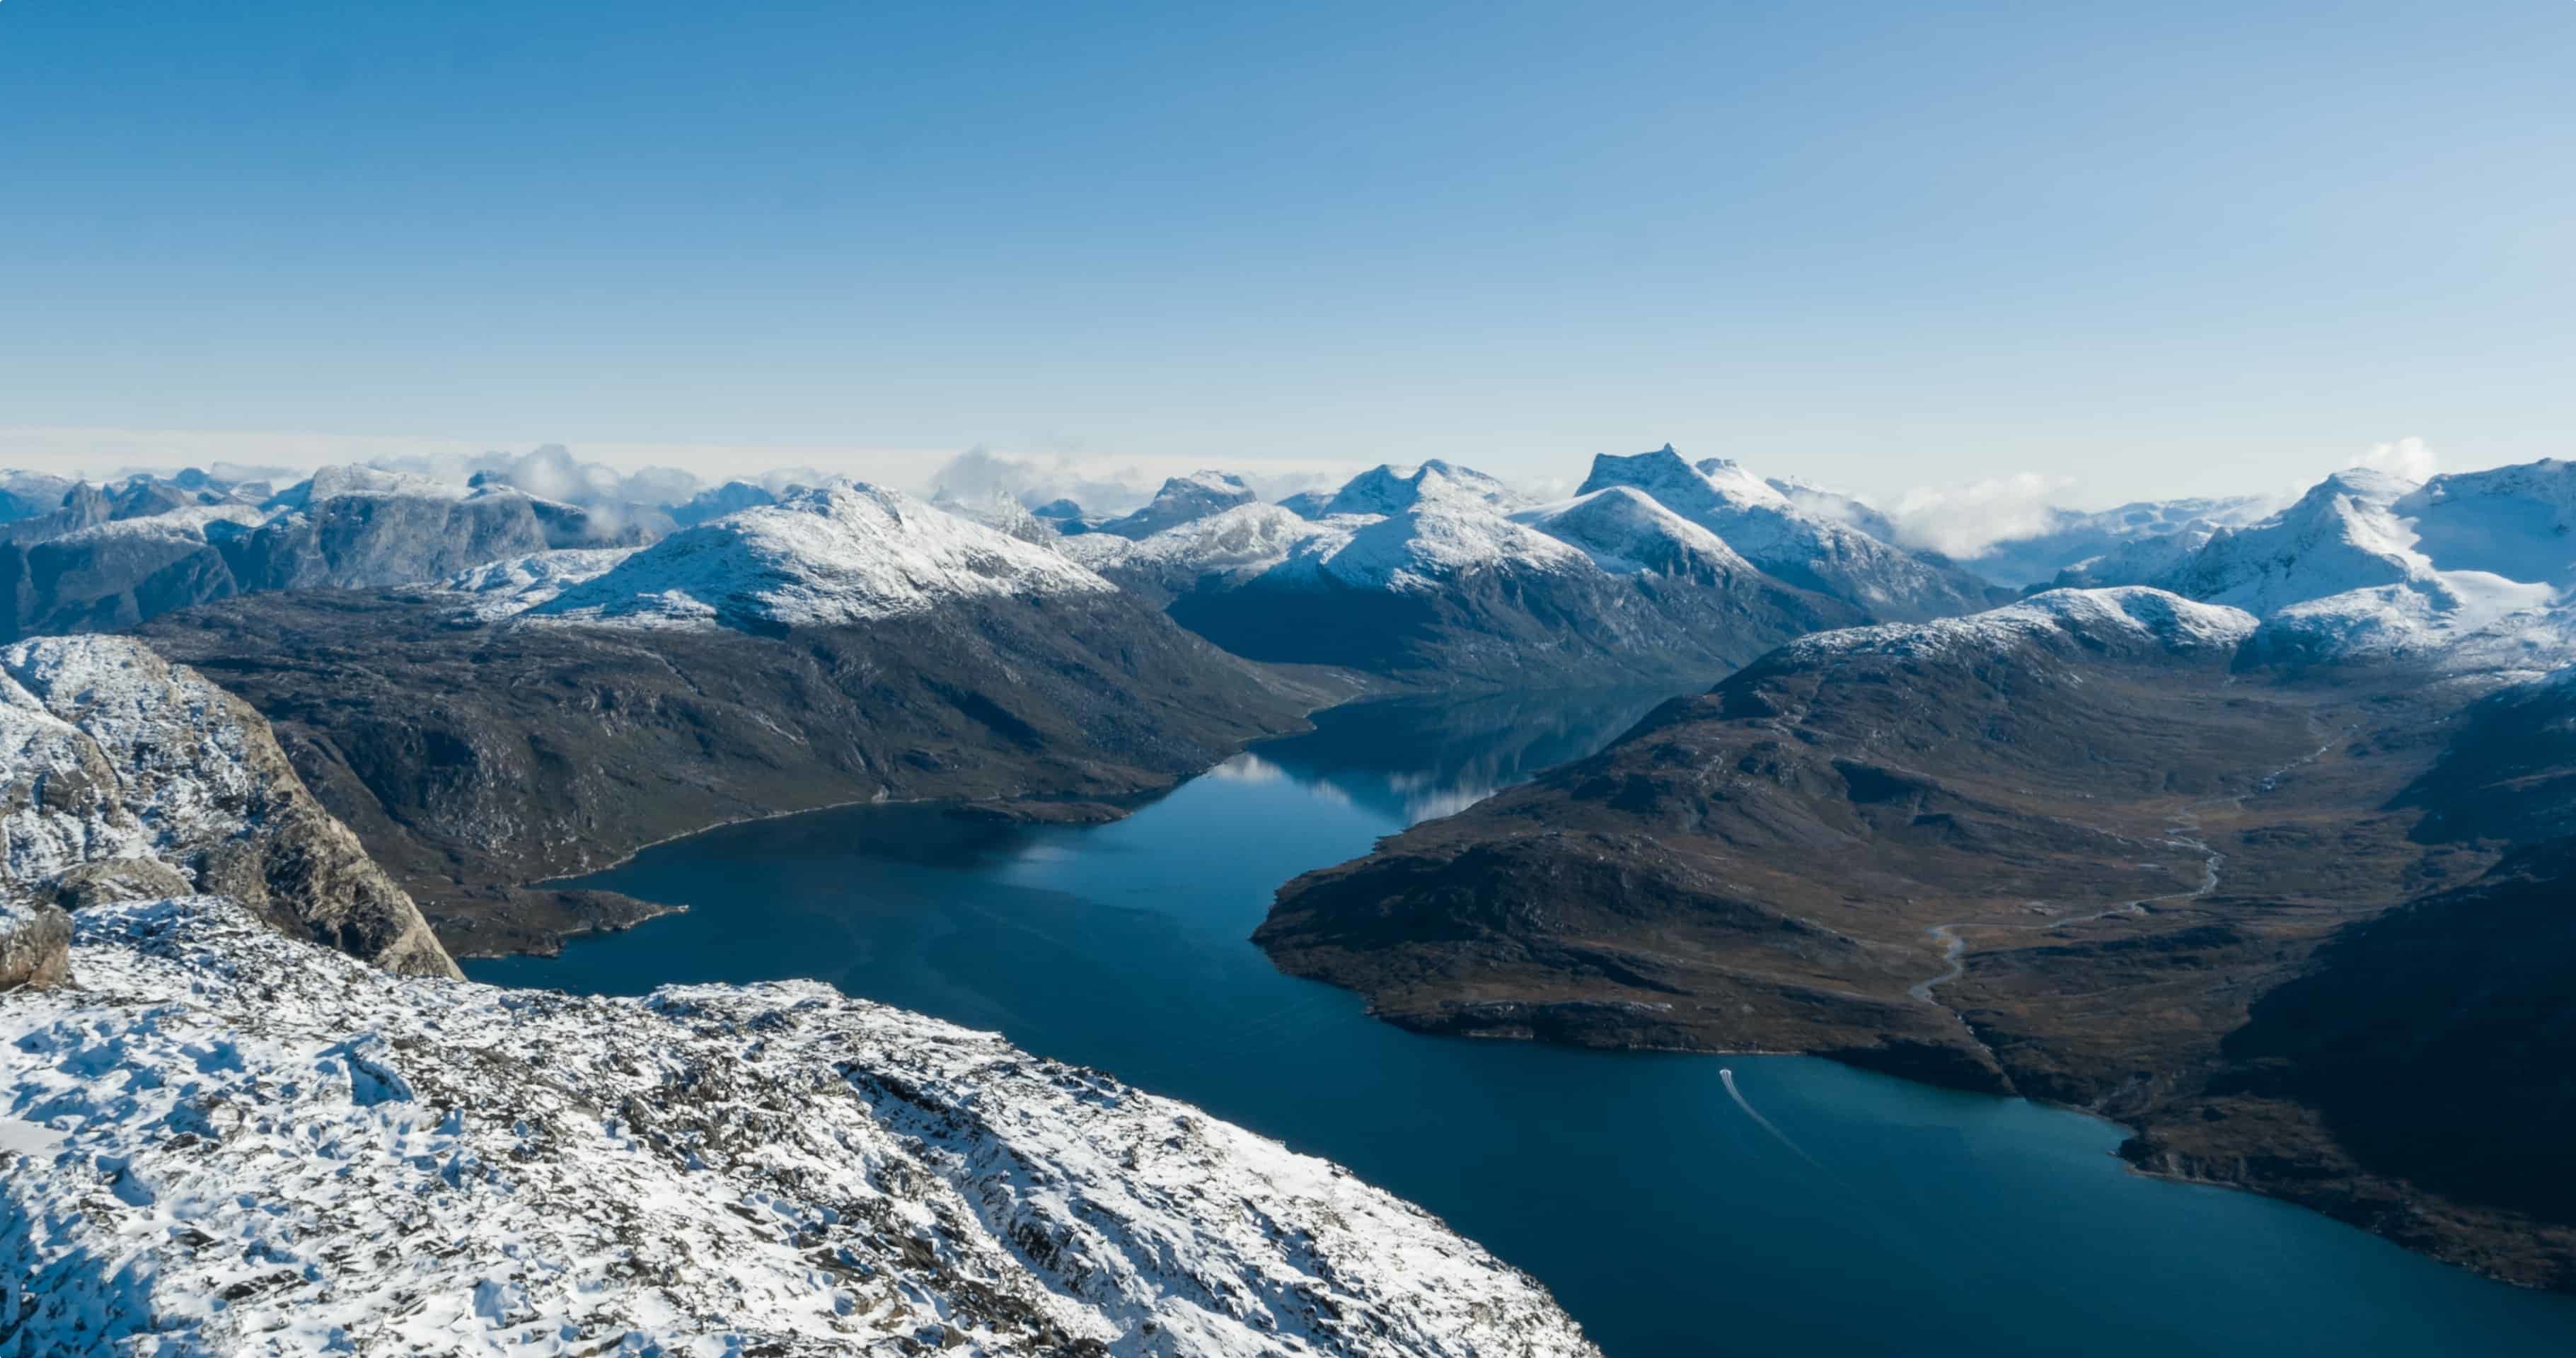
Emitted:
pixel 1832 504
pixel 1001 512
pixel 818 558
pixel 120 772
pixel 1628 532
pixel 1182 499
pixel 1240 542
pixel 2133 617
pixel 499 589
pixel 1443 581
pixel 1794 545
pixel 2340 536
pixel 245 1145
pixel 1422 546
pixel 1388 489
pixel 2126 545
pixel 2472 570
pixel 2515 522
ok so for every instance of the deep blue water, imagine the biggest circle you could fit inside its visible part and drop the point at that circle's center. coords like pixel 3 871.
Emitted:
pixel 1916 1221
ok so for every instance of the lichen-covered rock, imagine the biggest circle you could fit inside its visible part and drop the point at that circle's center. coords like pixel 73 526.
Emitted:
pixel 251 1146
pixel 121 773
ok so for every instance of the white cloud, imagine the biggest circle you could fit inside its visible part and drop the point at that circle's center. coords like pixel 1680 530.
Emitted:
pixel 2408 457
pixel 103 453
pixel 1962 521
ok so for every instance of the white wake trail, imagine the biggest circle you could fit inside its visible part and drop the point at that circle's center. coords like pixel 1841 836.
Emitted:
pixel 1726 1076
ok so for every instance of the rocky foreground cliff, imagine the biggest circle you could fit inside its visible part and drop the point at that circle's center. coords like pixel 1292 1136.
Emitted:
pixel 123 776
pixel 221 1140
pixel 247 1108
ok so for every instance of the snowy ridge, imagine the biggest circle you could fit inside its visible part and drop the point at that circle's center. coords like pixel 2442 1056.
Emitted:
pixel 2472 571
pixel 2125 545
pixel 1433 524
pixel 1246 539
pixel 1771 531
pixel 2133 614
pixel 1416 550
pixel 2518 522
pixel 188 524
pixel 1809 498
pixel 1628 532
pixel 499 589
pixel 818 558
pixel 1388 489
pixel 2341 535
pixel 239 1144
pixel 1181 500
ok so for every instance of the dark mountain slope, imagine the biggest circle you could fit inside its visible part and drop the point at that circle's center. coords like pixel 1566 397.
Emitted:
pixel 473 759
pixel 2089 856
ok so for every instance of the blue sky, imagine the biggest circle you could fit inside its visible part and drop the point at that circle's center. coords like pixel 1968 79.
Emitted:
pixel 2154 249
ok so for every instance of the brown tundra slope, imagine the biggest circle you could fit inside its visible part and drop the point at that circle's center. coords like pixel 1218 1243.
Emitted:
pixel 2075 848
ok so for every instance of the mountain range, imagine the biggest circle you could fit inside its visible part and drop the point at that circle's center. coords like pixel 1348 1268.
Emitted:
pixel 2191 813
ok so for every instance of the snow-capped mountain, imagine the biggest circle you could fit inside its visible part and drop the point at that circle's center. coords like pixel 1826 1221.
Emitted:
pixel 308 1155
pixel 818 558
pixel 1225 547
pixel 1794 545
pixel 2125 619
pixel 2340 536
pixel 501 589
pixel 1628 532
pixel 107 558
pixel 1181 500
pixel 1307 504
pixel 129 776
pixel 718 501
pixel 1387 489
pixel 2128 544
pixel 1435 573
pixel 1001 512
pixel 1833 504
pixel 2472 569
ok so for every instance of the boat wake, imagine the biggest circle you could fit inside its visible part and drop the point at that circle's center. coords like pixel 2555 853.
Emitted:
pixel 1726 1076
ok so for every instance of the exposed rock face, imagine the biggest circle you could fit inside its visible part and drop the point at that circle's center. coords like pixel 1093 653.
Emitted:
pixel 473 758
pixel 308 1155
pixel 127 775
pixel 35 946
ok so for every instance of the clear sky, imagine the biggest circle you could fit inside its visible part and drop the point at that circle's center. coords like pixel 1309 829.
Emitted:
pixel 2155 248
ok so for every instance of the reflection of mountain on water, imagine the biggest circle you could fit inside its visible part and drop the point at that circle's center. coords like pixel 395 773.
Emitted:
pixel 1419 758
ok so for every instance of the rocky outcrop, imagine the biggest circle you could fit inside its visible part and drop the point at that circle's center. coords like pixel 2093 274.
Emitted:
pixel 128 776
pixel 35 946
pixel 306 1155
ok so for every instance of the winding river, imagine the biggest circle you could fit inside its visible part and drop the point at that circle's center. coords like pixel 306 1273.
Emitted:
pixel 1676 1204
